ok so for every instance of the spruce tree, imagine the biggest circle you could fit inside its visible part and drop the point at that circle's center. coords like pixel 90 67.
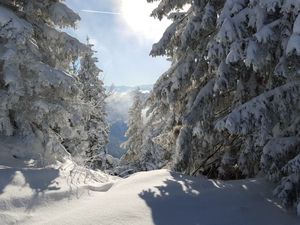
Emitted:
pixel 229 105
pixel 135 129
pixel 257 40
pixel 94 100
pixel 43 115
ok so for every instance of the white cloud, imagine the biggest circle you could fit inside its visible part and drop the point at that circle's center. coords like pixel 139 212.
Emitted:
pixel 136 16
pixel 117 106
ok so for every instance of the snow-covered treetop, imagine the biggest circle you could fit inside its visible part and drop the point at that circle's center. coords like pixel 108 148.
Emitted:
pixel 52 12
pixel 167 6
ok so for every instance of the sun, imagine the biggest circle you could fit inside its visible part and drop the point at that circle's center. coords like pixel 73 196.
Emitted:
pixel 136 15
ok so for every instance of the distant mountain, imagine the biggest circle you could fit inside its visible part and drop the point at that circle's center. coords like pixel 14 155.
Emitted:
pixel 122 89
pixel 119 101
pixel 117 105
pixel 116 138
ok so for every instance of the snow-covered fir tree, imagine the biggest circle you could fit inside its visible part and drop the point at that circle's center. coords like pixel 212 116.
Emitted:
pixel 257 42
pixel 135 129
pixel 229 105
pixel 43 113
pixel 94 98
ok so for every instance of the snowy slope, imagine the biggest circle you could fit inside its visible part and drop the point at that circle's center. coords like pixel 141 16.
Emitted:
pixel 25 188
pixel 161 198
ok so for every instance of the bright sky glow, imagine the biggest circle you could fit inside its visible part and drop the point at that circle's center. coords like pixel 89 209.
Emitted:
pixel 136 15
pixel 122 32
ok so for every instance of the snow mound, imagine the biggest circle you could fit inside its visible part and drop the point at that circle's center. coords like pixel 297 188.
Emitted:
pixel 161 198
pixel 24 188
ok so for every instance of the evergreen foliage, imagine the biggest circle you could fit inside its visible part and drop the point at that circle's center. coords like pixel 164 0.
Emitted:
pixel 134 132
pixel 44 104
pixel 228 107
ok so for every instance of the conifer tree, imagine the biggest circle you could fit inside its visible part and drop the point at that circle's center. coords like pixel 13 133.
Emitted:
pixel 94 99
pixel 258 41
pixel 229 105
pixel 43 116
pixel 135 129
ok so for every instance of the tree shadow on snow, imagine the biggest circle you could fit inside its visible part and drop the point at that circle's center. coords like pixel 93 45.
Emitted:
pixel 184 200
pixel 38 180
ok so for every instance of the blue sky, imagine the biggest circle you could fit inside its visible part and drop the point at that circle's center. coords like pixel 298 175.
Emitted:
pixel 122 40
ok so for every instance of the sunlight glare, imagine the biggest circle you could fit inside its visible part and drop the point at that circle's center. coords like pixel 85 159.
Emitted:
pixel 136 15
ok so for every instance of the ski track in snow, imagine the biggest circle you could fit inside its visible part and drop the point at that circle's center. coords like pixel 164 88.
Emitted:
pixel 158 197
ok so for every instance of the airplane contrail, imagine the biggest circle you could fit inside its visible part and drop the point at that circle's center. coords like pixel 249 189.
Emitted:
pixel 100 12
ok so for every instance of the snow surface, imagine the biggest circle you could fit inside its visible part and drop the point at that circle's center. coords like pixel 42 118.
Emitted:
pixel 158 197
